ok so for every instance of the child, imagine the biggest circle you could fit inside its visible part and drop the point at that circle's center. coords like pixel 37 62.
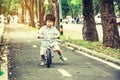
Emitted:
pixel 50 31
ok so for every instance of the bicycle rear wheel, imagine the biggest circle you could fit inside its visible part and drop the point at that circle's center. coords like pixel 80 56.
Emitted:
pixel 49 59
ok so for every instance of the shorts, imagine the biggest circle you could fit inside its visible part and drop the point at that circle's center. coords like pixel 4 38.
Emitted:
pixel 43 49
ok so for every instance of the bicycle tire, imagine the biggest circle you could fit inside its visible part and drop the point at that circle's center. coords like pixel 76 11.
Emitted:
pixel 49 59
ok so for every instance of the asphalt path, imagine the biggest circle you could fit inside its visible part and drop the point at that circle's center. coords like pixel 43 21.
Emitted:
pixel 24 61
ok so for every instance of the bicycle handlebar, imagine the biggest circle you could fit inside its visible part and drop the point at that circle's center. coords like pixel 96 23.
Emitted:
pixel 48 37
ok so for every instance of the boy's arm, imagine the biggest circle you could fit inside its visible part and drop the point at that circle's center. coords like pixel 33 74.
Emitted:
pixel 40 34
pixel 57 34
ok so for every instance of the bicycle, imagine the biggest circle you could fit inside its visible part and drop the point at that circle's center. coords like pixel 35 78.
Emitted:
pixel 48 54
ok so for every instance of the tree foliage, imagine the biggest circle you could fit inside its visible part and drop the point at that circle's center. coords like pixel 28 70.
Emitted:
pixel 9 6
pixel 65 8
pixel 71 7
pixel 96 6
pixel 117 3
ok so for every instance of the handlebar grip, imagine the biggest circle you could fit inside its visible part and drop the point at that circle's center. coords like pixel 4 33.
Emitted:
pixel 39 37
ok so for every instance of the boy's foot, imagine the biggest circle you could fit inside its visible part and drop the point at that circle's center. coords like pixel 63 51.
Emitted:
pixel 63 58
pixel 42 62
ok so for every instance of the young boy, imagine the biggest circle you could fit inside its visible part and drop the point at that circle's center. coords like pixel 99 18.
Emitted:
pixel 50 31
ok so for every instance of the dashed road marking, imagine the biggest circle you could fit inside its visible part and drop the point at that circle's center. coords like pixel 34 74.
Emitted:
pixel 34 46
pixel 64 72
pixel 101 60
pixel 98 59
pixel 28 41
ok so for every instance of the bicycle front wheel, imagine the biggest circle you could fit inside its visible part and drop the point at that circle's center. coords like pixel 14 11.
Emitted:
pixel 49 59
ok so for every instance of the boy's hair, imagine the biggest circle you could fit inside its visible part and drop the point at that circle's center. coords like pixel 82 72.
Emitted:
pixel 50 17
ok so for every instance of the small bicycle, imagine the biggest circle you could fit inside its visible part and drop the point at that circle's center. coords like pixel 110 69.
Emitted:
pixel 48 54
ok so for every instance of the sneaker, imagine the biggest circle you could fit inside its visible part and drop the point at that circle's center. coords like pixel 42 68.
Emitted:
pixel 63 58
pixel 42 62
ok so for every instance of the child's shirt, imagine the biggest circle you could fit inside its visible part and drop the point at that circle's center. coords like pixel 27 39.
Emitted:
pixel 48 33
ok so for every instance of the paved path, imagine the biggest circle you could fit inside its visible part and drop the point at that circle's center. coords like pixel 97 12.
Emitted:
pixel 24 61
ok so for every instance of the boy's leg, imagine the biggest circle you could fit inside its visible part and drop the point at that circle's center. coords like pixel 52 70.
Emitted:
pixel 59 51
pixel 42 52
pixel 42 55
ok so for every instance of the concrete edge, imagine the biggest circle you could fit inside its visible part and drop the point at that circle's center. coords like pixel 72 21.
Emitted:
pixel 5 52
pixel 92 52
pixel 4 66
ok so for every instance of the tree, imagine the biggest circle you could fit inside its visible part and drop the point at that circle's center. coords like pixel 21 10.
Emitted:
pixel 118 4
pixel 22 17
pixel 89 28
pixel 110 29
pixel 65 8
pixel 0 6
pixel 76 7
pixel 41 12
pixel 30 6
pixel 9 7
pixel 71 7
pixel 96 6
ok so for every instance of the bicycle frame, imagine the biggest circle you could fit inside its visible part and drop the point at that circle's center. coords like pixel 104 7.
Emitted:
pixel 48 55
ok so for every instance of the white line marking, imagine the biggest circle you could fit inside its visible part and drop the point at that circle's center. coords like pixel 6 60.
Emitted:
pixel 98 59
pixel 28 41
pixel 64 72
pixel 34 46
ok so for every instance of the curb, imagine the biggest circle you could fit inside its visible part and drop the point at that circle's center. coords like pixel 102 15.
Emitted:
pixel 4 53
pixel 93 53
pixel 4 67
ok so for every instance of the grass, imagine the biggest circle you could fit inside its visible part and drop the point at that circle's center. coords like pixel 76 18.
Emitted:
pixel 1 72
pixel 97 46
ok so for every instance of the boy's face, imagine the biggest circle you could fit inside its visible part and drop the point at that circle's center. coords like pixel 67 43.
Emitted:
pixel 49 23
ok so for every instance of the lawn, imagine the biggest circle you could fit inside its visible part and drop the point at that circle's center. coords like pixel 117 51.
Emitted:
pixel 96 46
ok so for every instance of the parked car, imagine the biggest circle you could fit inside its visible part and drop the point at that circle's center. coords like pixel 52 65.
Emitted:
pixel 98 19
pixel 118 20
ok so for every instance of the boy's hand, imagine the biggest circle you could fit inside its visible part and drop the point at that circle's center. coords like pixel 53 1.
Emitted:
pixel 40 37
pixel 56 37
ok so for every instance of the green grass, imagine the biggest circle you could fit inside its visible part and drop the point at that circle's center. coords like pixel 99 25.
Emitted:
pixel 97 46
pixel 1 72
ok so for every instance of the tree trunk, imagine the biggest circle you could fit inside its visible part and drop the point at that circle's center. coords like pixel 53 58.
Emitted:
pixel 30 7
pixel 23 14
pixel 0 6
pixel 89 29
pixel 41 12
pixel 36 9
pixel 110 29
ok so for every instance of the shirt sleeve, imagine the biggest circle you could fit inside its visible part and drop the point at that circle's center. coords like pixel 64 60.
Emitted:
pixel 57 32
pixel 40 31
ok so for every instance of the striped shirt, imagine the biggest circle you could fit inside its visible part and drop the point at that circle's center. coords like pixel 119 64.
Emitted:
pixel 48 33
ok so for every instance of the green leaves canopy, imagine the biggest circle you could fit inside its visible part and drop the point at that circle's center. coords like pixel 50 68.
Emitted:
pixel 71 7
pixel 9 6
